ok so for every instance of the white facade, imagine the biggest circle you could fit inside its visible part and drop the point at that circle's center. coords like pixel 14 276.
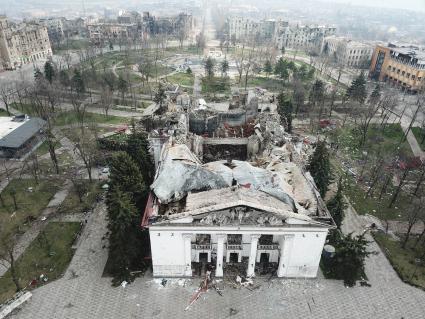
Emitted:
pixel 347 52
pixel 239 28
pixel 297 250
pixel 303 36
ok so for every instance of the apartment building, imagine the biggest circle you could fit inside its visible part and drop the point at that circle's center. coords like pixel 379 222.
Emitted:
pixel 22 43
pixel 348 52
pixel 303 36
pixel 239 28
pixel 400 66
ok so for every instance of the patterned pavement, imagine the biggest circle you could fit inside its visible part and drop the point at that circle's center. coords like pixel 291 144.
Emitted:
pixel 83 293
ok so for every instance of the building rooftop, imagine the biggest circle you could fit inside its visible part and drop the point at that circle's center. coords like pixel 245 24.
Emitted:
pixel 13 134
pixel 185 187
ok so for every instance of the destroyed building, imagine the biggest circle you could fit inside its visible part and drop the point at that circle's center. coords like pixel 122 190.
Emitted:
pixel 229 213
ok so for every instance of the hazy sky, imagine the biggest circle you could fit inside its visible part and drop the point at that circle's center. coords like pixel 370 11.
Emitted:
pixel 6 5
pixel 418 5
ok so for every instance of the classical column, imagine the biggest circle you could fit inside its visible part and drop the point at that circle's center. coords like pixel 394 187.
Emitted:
pixel 252 255
pixel 220 250
pixel 285 255
pixel 187 238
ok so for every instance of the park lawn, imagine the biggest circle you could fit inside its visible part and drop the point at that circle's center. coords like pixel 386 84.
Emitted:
pixel 404 261
pixel 3 112
pixel 72 204
pixel 49 254
pixel 24 108
pixel 264 82
pixel 72 44
pixel 420 136
pixel 191 49
pixel 30 204
pixel 161 70
pixel 70 117
pixel 182 78
pixel 375 206
pixel 44 148
pixel 384 141
pixel 45 165
pixel 215 85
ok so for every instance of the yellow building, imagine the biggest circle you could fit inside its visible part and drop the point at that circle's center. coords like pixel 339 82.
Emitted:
pixel 402 67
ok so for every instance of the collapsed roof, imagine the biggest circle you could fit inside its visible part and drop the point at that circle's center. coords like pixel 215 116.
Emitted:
pixel 281 188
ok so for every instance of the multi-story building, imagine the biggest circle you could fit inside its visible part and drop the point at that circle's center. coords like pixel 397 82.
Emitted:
pixel 55 29
pixel 111 31
pixel 131 26
pixel 22 43
pixel 238 28
pixel 303 36
pixel 348 52
pixel 402 66
pixel 227 214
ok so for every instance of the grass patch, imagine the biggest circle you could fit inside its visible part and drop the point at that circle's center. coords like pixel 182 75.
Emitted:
pixel 72 44
pixel 420 136
pixel 49 254
pixel 44 148
pixel 70 117
pixel 72 203
pixel 406 262
pixel 383 140
pixel 215 85
pixel 30 203
pixel 182 78
pixel 375 206
pixel 263 82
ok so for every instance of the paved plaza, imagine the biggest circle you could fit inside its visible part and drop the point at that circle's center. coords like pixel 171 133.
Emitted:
pixel 83 293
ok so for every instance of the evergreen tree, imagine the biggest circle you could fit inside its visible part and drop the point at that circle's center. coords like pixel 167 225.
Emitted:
pixel 337 206
pixel 282 50
pixel 375 96
pixel 38 75
pixel 122 86
pixel 317 93
pixel 189 71
pixel 285 109
pixel 64 78
pixel 125 175
pixel 357 90
pixel 78 82
pixel 160 96
pixel 319 167
pixel 49 71
pixel 348 262
pixel 281 69
pixel 268 68
pixel 121 216
pixel 224 67
pixel 209 65
pixel 138 149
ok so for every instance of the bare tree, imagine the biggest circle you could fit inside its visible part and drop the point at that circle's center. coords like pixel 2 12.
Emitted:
pixel 8 241
pixel 43 110
pixel 415 213
pixel 106 99
pixel 85 147
pixel 6 96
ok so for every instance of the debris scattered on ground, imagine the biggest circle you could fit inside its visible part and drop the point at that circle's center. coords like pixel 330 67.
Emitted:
pixel 232 312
